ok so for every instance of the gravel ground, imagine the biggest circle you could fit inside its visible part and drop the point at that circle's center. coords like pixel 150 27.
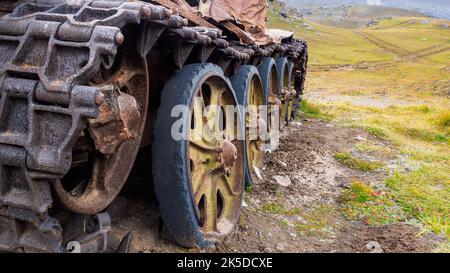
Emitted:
pixel 310 220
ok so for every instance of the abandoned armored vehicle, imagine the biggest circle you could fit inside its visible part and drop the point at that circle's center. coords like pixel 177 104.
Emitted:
pixel 86 84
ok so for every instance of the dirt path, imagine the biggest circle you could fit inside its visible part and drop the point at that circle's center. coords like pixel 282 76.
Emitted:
pixel 400 55
pixel 302 217
pixel 383 44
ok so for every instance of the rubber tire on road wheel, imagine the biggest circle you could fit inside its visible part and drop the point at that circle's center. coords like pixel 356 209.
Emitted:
pixel 292 84
pixel 265 70
pixel 170 160
pixel 240 83
pixel 282 68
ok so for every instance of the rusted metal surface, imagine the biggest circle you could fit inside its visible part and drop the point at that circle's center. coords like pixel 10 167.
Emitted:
pixel 91 185
pixel 300 61
pixel 49 53
pixel 87 234
pixel 183 8
pixel 227 155
pixel 255 144
pixel 243 36
pixel 216 164
pixel 251 14
pixel 9 5
pixel 245 19
pixel 63 98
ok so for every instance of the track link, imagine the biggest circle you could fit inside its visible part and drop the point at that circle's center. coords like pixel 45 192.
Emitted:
pixel 49 53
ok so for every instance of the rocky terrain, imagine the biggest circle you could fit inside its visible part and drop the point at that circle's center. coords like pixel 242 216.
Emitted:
pixel 294 207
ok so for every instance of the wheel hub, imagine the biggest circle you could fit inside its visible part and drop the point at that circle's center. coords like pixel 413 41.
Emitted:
pixel 227 154
pixel 278 102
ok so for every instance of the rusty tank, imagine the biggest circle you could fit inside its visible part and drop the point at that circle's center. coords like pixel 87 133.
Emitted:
pixel 86 84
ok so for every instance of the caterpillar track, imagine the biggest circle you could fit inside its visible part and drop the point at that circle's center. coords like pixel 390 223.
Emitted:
pixel 81 83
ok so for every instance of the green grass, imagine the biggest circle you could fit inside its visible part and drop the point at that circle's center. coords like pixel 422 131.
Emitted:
pixel 312 110
pixel 370 147
pixel 283 223
pixel 318 221
pixel 377 132
pixel 313 228
pixel 425 194
pixel 440 58
pixel 361 202
pixel 417 125
pixel 272 208
pixel 278 209
pixel 423 135
pixel 443 120
pixel 358 164
pixel 328 44
pixel 413 37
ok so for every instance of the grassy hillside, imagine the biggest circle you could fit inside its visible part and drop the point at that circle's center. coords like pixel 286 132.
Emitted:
pixel 393 79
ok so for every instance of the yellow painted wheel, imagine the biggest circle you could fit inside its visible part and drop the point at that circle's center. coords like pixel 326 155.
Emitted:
pixel 199 178
pixel 293 93
pixel 249 91
pixel 286 91
pixel 269 77
pixel 216 179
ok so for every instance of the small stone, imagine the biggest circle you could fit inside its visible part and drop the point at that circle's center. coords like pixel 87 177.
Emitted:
pixel 293 235
pixel 244 204
pixel 301 220
pixel 283 181
pixel 374 247
pixel 281 247
pixel 296 124
pixel 360 138
pixel 282 164
pixel 257 172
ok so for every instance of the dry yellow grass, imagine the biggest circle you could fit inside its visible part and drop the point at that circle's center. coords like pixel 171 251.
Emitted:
pixel 401 95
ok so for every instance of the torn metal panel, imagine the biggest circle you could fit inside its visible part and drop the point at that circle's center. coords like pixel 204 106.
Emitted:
pixel 182 7
pixel 251 14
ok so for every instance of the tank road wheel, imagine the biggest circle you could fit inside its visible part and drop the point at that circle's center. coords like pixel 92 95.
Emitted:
pixel 104 153
pixel 293 93
pixel 269 77
pixel 284 85
pixel 249 92
pixel 199 180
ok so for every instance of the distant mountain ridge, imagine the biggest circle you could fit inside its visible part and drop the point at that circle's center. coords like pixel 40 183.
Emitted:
pixel 432 8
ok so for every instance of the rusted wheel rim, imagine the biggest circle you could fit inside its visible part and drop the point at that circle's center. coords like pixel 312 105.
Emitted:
pixel 291 90
pixel 254 144
pixel 216 169
pixel 274 109
pixel 95 178
pixel 286 97
pixel 290 102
